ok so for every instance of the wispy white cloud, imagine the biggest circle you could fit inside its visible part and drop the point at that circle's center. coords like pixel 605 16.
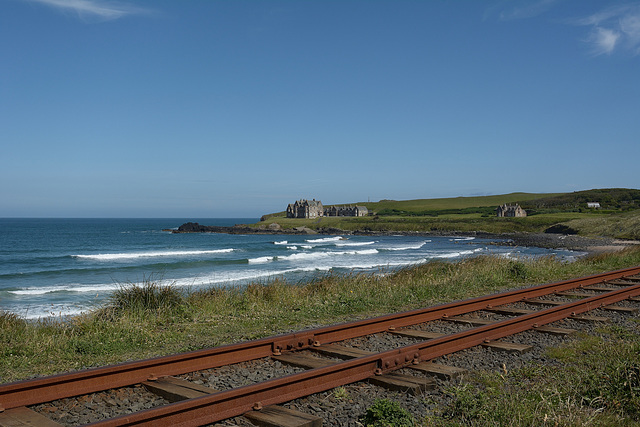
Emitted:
pixel 95 9
pixel 603 40
pixel 612 29
pixel 526 9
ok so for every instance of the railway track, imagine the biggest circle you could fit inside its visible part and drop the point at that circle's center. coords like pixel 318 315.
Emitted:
pixel 299 364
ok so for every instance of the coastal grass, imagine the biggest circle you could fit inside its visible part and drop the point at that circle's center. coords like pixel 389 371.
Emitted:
pixel 594 380
pixel 153 319
pixel 621 226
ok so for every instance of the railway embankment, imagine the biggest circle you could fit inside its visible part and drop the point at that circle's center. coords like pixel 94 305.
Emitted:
pixel 479 378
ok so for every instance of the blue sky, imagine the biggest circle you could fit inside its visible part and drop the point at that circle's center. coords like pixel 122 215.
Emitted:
pixel 236 108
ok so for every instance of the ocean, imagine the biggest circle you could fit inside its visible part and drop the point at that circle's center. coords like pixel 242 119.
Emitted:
pixel 61 267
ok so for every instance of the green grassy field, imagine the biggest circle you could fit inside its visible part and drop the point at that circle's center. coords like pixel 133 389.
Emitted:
pixel 419 205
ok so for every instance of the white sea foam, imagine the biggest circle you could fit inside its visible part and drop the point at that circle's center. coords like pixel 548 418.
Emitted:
pixel 348 243
pixel 244 276
pixel 102 287
pixel 457 254
pixel 462 239
pixel 308 256
pixel 293 248
pixel 319 255
pixel 325 239
pixel 407 247
pixel 136 255
pixel 380 264
pixel 261 260
pixel 51 311
pixel 284 242
pixel 508 255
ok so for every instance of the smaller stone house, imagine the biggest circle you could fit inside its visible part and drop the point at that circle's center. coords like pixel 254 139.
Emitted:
pixel 593 205
pixel 346 211
pixel 510 211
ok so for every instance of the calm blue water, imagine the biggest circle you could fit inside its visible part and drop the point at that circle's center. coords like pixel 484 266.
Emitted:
pixel 58 267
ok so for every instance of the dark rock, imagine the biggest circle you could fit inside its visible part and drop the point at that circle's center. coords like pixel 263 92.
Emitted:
pixel 194 227
pixel 561 229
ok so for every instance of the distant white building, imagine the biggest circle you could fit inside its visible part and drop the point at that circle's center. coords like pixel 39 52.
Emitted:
pixel 593 205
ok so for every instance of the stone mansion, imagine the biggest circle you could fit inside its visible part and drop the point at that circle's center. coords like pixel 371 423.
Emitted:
pixel 313 209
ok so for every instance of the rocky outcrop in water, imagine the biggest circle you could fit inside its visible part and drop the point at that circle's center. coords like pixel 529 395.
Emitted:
pixel 274 228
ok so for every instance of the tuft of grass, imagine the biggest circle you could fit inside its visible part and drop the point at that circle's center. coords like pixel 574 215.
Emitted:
pixel 145 299
pixel 387 413
pixel 11 320
pixel 340 393
pixel 469 404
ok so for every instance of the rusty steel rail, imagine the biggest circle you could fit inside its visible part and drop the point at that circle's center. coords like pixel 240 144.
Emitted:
pixel 50 388
pixel 222 405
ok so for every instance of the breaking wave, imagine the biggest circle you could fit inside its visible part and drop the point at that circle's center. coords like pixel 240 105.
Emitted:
pixel 307 256
pixel 347 243
pixel 457 254
pixel 407 247
pixel 136 255
pixel 325 239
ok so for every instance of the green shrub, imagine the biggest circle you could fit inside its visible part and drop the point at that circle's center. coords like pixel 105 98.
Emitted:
pixel 387 413
pixel 10 320
pixel 147 298
pixel 468 404
pixel 518 270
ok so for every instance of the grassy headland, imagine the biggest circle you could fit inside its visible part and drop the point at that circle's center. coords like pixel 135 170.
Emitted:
pixel 618 217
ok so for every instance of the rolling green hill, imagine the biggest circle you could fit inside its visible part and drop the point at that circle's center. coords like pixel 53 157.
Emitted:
pixel 453 203
pixel 610 199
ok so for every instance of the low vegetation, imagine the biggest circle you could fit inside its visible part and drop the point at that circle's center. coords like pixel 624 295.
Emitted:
pixel 621 226
pixel 594 380
pixel 387 413
pixel 450 205
pixel 624 225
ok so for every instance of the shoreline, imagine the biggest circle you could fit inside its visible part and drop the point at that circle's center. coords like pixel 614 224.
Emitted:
pixel 591 245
